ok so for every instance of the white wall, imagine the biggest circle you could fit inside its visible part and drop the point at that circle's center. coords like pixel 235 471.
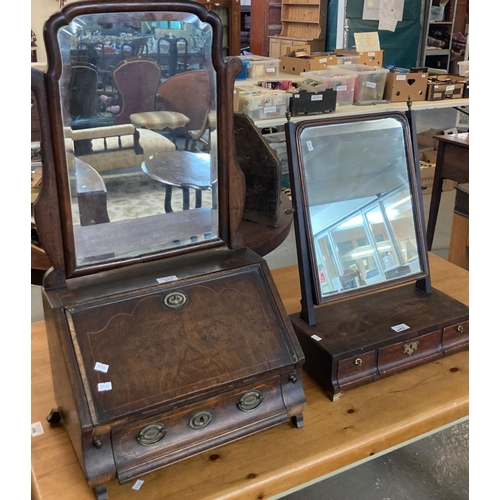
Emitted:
pixel 41 10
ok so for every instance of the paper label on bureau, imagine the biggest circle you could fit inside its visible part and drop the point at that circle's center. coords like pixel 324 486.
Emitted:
pixel 400 328
pixel 167 279
pixel 315 337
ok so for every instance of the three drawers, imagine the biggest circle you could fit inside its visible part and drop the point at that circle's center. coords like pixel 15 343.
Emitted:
pixel 370 365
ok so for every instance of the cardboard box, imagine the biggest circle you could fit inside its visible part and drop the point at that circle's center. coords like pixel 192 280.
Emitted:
pixel 444 87
pixel 298 65
pixel 427 171
pixel 426 139
pixel 399 86
pixel 369 58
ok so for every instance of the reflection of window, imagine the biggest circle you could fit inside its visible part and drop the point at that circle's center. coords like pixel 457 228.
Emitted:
pixel 376 238
pixel 169 25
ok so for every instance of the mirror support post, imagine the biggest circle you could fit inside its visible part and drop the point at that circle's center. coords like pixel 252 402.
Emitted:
pixel 303 256
pixel 423 284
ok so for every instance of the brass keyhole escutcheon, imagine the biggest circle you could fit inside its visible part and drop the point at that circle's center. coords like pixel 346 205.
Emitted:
pixel 358 361
pixel 460 328
pixel 250 400
pixel 175 300
pixel 151 434
pixel 201 419
pixel 410 348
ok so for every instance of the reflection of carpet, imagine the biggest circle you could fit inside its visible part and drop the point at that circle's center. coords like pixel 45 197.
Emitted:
pixel 135 195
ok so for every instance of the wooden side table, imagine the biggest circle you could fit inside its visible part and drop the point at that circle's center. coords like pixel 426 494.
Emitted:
pixel 458 252
pixel 452 163
pixel 182 169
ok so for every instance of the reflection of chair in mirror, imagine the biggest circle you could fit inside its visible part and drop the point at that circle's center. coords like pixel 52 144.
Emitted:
pixel 176 94
pixel 83 100
pixel 182 102
pixel 136 80
pixel 170 58
pixel 119 146
pixel 199 140
pixel 135 47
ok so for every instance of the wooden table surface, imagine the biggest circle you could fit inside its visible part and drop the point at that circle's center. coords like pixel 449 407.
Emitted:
pixel 363 423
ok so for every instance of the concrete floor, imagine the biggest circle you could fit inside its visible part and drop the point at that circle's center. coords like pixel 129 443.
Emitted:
pixel 433 468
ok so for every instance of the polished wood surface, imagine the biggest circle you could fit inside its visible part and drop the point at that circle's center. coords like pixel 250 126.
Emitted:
pixel 363 422
pixel 452 163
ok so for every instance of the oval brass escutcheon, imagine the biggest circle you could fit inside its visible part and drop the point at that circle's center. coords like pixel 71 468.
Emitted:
pixel 410 348
pixel 250 400
pixel 175 300
pixel 151 434
pixel 201 419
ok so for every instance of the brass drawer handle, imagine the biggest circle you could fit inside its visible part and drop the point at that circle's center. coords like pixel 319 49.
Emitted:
pixel 201 419
pixel 250 400
pixel 410 348
pixel 460 328
pixel 175 300
pixel 358 361
pixel 151 434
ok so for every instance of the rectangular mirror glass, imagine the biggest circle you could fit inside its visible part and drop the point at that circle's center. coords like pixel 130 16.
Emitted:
pixel 135 89
pixel 358 185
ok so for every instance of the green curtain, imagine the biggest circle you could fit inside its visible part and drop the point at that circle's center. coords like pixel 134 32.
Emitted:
pixel 400 46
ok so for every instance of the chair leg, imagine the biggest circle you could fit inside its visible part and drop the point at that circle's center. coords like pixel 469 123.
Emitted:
pixel 168 198
pixel 198 198
pixel 185 198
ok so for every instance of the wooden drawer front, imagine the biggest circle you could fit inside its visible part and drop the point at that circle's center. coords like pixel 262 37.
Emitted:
pixel 356 370
pixel 180 437
pixel 408 352
pixel 455 336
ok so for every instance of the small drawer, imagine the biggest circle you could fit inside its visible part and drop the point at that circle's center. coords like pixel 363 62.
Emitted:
pixel 356 370
pixel 412 351
pixel 455 336
pixel 148 444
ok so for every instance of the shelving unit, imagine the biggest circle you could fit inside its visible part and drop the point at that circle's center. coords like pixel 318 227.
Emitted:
pixel 437 58
pixel 266 23
pixel 303 22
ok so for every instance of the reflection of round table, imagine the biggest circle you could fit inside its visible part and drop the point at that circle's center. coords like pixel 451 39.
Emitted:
pixel 182 169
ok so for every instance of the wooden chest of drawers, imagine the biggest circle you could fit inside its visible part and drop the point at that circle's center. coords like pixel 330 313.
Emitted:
pixel 424 328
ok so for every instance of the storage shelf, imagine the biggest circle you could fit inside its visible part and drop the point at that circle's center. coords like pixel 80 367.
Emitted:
pixel 431 27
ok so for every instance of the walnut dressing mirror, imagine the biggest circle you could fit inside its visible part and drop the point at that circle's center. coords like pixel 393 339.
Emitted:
pixel 135 94
pixel 167 336
pixel 368 309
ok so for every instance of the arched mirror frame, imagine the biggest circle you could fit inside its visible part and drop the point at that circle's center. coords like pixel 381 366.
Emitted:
pixel 52 209
pixel 309 278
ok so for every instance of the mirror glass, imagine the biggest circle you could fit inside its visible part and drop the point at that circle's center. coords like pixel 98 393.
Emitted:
pixel 359 210
pixel 138 103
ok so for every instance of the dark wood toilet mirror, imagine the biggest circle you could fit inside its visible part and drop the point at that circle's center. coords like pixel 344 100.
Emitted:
pixel 359 207
pixel 367 306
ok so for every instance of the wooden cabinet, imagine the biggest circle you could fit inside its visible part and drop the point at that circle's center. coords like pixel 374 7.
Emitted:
pixel 229 13
pixel 266 22
pixel 437 34
pixel 303 22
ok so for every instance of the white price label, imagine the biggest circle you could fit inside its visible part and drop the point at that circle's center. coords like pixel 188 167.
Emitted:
pixel 371 85
pixel 400 328
pixel 317 97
